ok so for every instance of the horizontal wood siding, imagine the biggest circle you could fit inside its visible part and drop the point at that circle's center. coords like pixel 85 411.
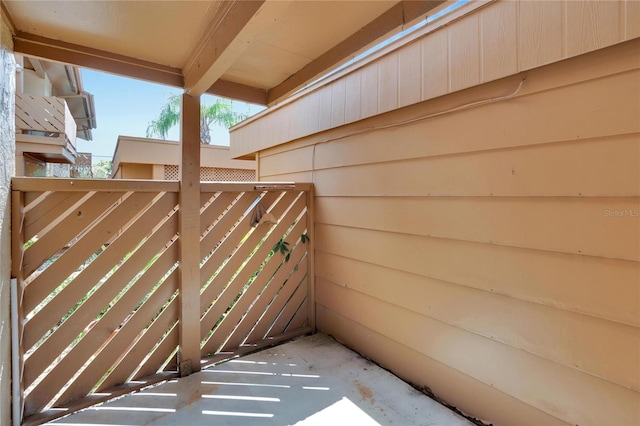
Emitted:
pixel 486 244
pixel 488 42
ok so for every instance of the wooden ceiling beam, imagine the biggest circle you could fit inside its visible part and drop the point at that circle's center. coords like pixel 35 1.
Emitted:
pixel 403 12
pixel 38 67
pixel 100 60
pixel 232 29
pixel 241 92
pixel 4 16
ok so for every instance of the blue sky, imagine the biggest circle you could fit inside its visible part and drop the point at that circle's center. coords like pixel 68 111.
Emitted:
pixel 125 106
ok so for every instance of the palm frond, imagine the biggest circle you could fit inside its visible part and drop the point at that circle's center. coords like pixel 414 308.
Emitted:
pixel 220 112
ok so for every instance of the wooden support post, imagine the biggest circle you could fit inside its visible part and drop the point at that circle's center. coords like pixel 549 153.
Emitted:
pixel 311 271
pixel 258 166
pixel 189 231
pixel 19 166
pixel 17 233
pixel 17 314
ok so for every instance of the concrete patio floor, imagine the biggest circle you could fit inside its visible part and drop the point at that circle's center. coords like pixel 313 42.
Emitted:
pixel 310 381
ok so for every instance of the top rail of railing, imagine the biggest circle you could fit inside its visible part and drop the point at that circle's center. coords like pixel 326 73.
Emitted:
pixel 120 185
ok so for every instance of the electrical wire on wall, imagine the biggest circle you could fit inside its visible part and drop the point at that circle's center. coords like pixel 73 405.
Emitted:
pixel 410 121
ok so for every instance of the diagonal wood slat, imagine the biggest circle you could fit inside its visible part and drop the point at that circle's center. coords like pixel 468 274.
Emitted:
pixel 222 285
pixel 90 276
pixel 270 315
pixel 87 312
pixel 222 233
pixel 267 283
pixel 138 350
pixel 299 319
pixel 68 228
pixel 49 211
pixel 230 238
pixel 151 365
pixel 223 325
pixel 104 232
pixel 40 113
pixel 260 312
pixel 114 348
pixel 212 211
pixel 37 401
pixel 33 196
pixel 63 371
pixel 237 287
pixel 291 307
pixel 69 262
pixel 98 281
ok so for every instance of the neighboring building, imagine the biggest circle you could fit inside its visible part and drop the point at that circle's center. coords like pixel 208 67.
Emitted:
pixel 52 110
pixel 142 158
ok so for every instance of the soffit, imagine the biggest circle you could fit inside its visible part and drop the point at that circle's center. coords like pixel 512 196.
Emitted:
pixel 309 30
pixel 155 31
pixel 259 51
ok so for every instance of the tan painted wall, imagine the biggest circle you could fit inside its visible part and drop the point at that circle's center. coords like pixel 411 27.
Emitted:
pixel 144 158
pixel 154 151
pixel 492 251
pixel 135 171
pixel 34 85
pixel 7 153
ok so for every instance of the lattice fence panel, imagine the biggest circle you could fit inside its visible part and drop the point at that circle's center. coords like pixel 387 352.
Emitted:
pixel 171 172
pixel 227 175
pixel 98 293
pixel 214 174
pixel 207 174
pixel 254 280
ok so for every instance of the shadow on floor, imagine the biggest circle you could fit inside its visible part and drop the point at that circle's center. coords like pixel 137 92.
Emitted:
pixel 310 381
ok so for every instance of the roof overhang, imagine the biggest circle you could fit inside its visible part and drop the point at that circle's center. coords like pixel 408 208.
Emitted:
pixel 259 51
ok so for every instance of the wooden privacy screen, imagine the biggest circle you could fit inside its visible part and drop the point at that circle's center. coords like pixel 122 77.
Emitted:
pixel 97 268
pixel 251 294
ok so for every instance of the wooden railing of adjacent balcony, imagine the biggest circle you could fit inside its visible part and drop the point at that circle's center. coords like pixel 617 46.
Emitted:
pixel 48 116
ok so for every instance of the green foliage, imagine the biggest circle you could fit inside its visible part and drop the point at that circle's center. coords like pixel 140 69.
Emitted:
pixel 283 247
pixel 220 112
pixel 102 169
pixel 169 116
pixel 30 243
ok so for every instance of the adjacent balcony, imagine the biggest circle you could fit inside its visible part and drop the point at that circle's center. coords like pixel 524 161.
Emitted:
pixel 45 129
